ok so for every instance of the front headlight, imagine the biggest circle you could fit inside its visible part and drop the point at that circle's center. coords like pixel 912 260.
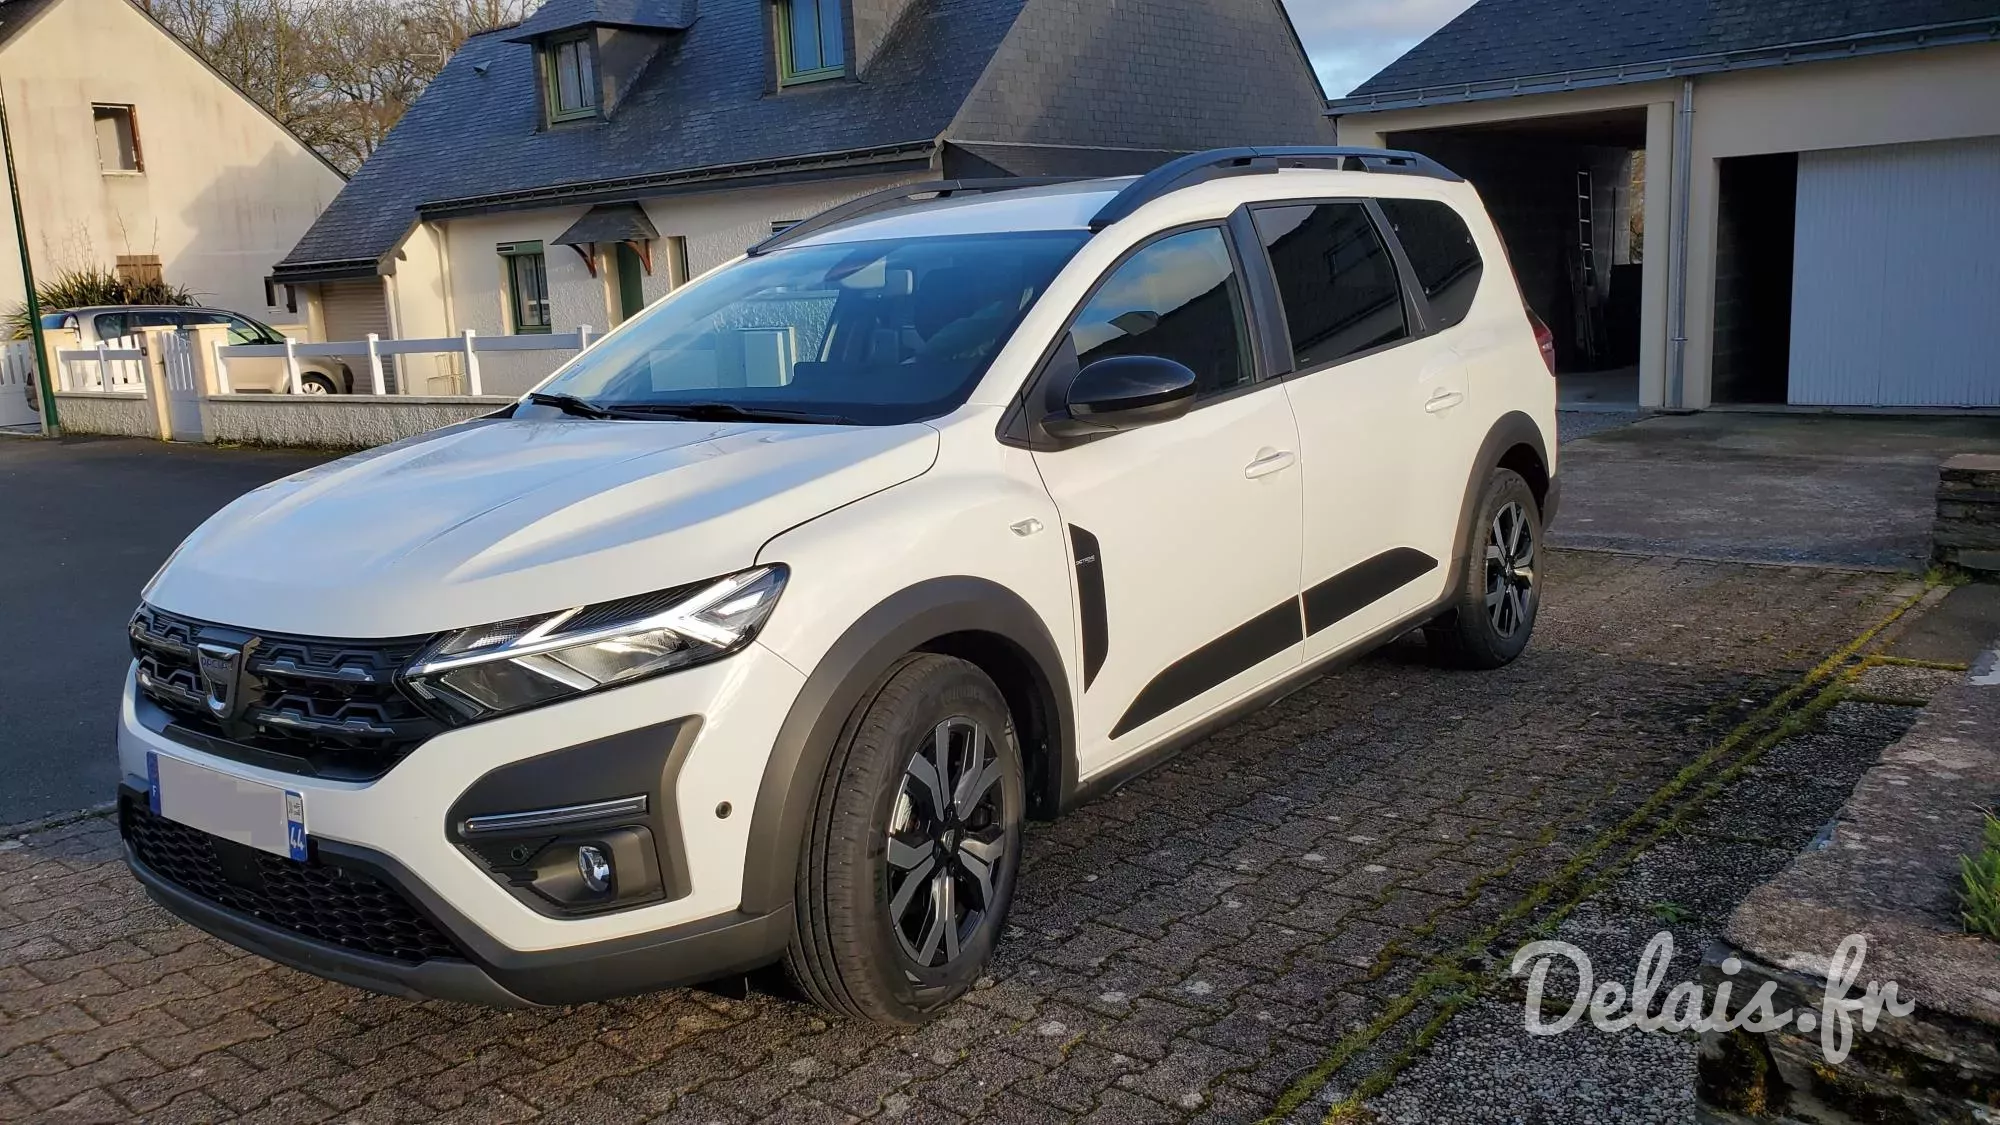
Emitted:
pixel 475 674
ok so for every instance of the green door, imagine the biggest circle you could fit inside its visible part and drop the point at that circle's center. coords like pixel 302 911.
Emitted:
pixel 631 290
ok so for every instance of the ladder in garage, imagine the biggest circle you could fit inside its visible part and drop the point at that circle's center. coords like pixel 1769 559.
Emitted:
pixel 1585 299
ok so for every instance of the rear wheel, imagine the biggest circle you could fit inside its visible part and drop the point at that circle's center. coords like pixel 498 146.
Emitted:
pixel 908 867
pixel 1493 610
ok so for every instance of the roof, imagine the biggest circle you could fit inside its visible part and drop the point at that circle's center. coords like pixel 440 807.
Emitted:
pixel 610 222
pixel 1054 207
pixel 1495 45
pixel 650 15
pixel 701 109
pixel 17 14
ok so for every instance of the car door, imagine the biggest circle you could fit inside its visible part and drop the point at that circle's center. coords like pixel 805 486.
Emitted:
pixel 1185 534
pixel 1349 324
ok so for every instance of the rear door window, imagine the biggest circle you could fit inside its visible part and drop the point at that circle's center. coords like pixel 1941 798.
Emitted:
pixel 1442 254
pixel 108 326
pixel 1336 280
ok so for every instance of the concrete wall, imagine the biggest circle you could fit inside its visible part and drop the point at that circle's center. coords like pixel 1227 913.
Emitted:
pixel 1939 94
pixel 224 192
pixel 335 422
pixel 127 415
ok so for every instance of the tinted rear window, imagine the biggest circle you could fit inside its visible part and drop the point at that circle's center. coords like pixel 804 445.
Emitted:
pixel 1442 253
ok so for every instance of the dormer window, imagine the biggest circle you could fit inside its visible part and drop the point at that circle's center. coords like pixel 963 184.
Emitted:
pixel 570 63
pixel 812 41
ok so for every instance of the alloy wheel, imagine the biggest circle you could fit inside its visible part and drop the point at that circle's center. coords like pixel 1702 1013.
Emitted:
pixel 1510 570
pixel 947 838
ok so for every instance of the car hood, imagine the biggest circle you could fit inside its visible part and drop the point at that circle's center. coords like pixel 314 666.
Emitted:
pixel 491 520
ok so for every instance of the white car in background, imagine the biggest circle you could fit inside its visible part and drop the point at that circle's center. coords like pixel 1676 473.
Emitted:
pixel 756 633
pixel 108 324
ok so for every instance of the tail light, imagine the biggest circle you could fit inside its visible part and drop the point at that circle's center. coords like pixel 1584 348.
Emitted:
pixel 1544 339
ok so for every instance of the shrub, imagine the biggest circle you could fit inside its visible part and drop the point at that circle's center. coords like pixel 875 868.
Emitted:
pixel 82 288
pixel 1981 894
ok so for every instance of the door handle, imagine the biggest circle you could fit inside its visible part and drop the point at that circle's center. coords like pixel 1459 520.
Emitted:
pixel 1270 461
pixel 1442 401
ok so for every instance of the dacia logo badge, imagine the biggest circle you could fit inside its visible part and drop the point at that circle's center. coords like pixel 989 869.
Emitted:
pixel 221 668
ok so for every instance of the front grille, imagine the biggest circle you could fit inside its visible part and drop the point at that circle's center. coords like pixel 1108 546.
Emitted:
pixel 319 900
pixel 328 708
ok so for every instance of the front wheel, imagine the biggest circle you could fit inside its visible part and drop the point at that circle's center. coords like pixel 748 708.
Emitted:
pixel 315 385
pixel 1492 613
pixel 908 866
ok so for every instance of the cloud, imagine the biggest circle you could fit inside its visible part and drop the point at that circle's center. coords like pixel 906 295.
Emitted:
pixel 1350 40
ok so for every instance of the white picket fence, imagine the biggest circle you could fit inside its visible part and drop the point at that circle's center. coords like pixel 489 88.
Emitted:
pixel 112 367
pixel 17 384
pixel 374 349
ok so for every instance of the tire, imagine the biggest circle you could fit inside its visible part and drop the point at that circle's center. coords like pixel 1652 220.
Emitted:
pixel 1492 613
pixel 315 385
pixel 867 942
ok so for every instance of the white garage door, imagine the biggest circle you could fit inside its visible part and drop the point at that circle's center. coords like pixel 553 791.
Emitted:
pixel 1896 297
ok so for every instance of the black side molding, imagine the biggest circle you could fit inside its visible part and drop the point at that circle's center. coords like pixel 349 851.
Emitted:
pixel 1362 585
pixel 1090 598
pixel 1242 648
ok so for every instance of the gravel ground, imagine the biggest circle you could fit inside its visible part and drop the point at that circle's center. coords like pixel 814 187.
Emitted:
pixel 1574 424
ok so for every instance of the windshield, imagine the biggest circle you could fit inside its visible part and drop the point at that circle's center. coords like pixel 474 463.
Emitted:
pixel 871 333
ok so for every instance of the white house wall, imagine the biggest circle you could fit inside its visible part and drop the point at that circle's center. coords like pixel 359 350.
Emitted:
pixel 716 227
pixel 224 192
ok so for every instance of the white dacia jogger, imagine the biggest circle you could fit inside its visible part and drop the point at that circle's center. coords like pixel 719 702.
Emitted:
pixel 757 631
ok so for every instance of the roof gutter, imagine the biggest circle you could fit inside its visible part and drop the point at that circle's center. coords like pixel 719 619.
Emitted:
pixel 1983 30
pixel 344 270
pixel 912 155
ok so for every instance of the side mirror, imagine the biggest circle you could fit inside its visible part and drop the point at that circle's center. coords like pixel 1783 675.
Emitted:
pixel 1124 393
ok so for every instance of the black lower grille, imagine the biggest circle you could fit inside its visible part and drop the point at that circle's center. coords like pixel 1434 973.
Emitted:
pixel 319 900
pixel 309 705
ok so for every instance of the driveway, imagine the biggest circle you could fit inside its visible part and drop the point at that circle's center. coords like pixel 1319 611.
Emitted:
pixel 1301 915
pixel 1843 490
pixel 83 524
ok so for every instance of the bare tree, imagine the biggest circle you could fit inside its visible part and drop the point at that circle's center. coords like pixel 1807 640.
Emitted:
pixel 339 73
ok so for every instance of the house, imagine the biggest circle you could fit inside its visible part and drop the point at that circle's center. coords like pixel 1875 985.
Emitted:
pixel 1754 202
pixel 571 169
pixel 132 155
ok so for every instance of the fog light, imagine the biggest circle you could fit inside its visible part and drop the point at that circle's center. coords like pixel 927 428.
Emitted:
pixel 594 867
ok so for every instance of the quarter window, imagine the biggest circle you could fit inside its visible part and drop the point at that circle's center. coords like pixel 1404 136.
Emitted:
pixel 812 41
pixel 527 286
pixel 1336 279
pixel 1179 299
pixel 572 77
pixel 1442 254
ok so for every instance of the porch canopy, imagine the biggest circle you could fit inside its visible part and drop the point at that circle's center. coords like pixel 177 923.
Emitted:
pixel 610 222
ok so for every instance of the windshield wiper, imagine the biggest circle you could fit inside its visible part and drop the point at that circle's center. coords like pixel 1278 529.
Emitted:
pixel 732 412
pixel 570 404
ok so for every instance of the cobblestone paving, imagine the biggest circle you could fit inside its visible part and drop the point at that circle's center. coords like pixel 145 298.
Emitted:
pixel 1232 933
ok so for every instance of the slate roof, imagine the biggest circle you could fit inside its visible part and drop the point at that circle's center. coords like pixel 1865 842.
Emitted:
pixel 18 14
pixel 704 101
pixel 1496 40
pixel 655 15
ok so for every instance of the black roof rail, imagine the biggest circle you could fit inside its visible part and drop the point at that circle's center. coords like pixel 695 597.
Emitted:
pixel 890 198
pixel 1200 167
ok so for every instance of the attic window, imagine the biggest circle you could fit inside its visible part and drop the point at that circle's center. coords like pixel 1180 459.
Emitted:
pixel 812 41
pixel 570 64
pixel 117 138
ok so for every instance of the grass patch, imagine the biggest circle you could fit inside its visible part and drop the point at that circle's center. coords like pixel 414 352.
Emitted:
pixel 1980 894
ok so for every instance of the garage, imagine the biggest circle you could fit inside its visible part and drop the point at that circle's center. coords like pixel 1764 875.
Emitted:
pixel 1896 300
pixel 1711 212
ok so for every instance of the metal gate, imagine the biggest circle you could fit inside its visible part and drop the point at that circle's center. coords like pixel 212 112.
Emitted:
pixel 183 392
pixel 17 385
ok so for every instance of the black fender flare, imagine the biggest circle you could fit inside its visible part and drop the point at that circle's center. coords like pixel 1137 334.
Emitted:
pixel 852 669
pixel 1512 429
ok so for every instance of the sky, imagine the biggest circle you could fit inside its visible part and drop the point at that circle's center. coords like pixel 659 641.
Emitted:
pixel 1350 40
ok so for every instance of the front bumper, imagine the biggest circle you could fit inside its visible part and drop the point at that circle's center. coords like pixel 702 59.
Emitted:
pixel 398 828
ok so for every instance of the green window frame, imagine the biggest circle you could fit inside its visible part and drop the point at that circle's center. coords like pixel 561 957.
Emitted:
pixel 527 287
pixel 569 66
pixel 812 40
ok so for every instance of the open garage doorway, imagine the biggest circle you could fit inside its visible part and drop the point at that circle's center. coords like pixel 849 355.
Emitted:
pixel 1568 195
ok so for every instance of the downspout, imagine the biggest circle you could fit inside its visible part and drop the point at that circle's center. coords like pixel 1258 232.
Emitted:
pixel 1677 284
pixel 51 425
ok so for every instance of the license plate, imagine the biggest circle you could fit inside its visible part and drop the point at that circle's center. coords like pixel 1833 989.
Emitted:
pixel 251 813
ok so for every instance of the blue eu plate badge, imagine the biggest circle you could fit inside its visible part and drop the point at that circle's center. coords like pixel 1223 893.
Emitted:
pixel 295 824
